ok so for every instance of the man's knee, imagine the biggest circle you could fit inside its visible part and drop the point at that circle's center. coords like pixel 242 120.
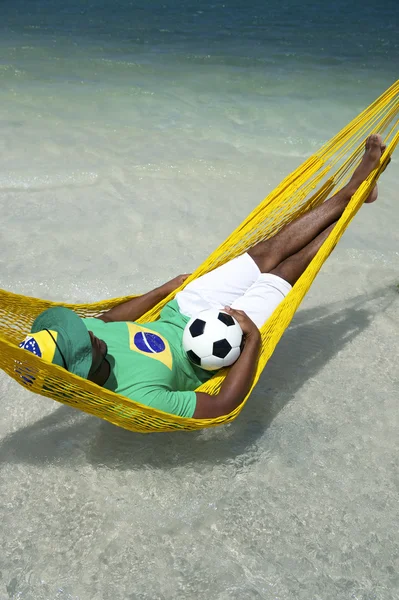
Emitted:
pixel 265 255
pixel 286 272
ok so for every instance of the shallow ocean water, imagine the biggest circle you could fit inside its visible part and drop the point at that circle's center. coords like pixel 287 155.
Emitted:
pixel 128 130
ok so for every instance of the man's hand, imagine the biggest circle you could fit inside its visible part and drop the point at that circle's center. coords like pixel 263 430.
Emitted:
pixel 248 327
pixel 169 287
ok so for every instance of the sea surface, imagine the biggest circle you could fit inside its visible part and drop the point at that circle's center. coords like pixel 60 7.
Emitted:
pixel 135 136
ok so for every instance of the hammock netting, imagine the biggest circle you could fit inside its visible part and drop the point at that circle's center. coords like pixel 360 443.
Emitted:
pixel 319 177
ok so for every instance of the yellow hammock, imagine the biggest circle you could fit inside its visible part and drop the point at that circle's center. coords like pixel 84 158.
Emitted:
pixel 308 186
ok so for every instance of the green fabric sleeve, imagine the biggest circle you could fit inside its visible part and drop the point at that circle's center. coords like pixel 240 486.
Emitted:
pixel 182 404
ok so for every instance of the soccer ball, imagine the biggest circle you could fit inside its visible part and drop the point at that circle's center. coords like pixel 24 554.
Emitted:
pixel 212 339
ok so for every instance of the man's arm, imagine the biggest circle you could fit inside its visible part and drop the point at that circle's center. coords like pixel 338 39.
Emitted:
pixel 238 382
pixel 136 307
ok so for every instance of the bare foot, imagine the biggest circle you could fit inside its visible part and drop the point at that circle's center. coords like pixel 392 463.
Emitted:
pixel 371 157
pixel 373 195
pixel 374 143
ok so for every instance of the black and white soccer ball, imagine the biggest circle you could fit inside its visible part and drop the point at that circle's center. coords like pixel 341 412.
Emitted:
pixel 212 339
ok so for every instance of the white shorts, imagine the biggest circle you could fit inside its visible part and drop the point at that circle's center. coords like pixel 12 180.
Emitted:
pixel 239 284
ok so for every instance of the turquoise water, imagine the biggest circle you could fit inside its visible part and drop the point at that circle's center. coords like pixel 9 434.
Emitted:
pixel 134 137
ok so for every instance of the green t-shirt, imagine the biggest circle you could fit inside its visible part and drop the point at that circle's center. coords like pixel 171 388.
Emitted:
pixel 148 363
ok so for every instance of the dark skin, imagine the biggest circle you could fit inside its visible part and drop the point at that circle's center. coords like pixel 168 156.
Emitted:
pixel 287 255
pixel 100 368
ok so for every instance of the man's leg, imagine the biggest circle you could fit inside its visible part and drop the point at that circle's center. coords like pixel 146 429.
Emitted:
pixel 292 267
pixel 297 235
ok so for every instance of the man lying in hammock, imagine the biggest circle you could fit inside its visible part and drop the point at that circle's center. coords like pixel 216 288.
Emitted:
pixel 147 363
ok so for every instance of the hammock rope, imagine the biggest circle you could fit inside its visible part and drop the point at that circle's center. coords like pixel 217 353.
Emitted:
pixel 321 175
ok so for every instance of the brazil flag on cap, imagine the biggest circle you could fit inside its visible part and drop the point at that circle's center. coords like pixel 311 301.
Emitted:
pixel 59 336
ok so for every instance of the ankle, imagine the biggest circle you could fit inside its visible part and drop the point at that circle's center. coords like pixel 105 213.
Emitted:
pixel 351 188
